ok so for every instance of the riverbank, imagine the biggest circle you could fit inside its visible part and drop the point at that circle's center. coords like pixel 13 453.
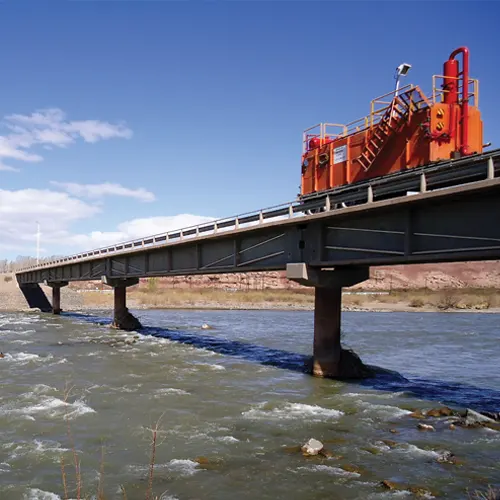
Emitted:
pixel 157 297
pixel 472 300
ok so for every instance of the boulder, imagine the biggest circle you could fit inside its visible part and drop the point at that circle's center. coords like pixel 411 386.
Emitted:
pixel 312 447
pixel 351 366
pixel 390 485
pixel 425 427
pixel 491 414
pixel 124 320
pixel 447 457
pixel 473 417
pixel 439 412
pixel 417 414
pixel 418 491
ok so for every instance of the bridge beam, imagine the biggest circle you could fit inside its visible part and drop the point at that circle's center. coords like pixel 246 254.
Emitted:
pixel 56 294
pixel 329 359
pixel 122 318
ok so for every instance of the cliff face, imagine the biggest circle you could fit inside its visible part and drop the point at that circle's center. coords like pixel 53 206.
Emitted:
pixel 432 276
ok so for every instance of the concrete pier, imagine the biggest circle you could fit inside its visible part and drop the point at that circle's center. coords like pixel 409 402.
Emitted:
pixel 122 318
pixel 329 359
pixel 327 346
pixel 56 294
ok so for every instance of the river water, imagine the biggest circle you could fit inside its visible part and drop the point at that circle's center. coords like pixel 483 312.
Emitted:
pixel 237 397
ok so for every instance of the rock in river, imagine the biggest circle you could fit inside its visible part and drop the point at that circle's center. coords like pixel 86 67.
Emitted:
pixel 312 447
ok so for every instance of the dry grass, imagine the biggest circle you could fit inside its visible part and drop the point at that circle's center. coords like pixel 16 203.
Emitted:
pixel 154 297
pixel 490 494
pixel 217 296
pixel 447 299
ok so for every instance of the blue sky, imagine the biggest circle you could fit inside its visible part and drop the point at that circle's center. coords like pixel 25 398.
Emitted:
pixel 198 105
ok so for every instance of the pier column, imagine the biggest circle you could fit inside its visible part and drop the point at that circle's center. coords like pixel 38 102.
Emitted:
pixel 329 359
pixel 122 318
pixel 56 294
pixel 326 346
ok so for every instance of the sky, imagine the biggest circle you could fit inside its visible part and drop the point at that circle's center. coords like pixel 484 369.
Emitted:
pixel 120 119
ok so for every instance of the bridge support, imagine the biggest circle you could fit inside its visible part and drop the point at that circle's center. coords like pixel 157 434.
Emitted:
pixel 35 296
pixel 122 318
pixel 329 359
pixel 56 294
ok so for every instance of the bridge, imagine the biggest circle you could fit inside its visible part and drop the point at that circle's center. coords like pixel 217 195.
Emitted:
pixel 445 212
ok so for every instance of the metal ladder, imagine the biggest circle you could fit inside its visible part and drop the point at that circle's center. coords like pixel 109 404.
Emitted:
pixel 390 123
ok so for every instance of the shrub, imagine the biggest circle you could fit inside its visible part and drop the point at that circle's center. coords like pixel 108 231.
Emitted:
pixel 152 285
pixel 447 300
pixel 417 302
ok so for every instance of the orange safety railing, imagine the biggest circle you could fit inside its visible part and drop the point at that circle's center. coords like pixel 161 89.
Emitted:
pixel 378 108
pixel 438 92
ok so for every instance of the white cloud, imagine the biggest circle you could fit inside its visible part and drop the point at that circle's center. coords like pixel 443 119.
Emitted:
pixel 49 128
pixel 58 212
pixel 106 189
pixel 20 210
pixel 135 229
pixel 7 168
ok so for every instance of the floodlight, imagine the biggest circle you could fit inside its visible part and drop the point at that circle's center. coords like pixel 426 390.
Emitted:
pixel 403 69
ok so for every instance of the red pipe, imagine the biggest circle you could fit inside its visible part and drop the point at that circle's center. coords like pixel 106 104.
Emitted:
pixel 464 146
pixel 450 85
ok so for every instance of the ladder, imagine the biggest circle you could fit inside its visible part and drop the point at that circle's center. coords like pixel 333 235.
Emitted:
pixel 391 122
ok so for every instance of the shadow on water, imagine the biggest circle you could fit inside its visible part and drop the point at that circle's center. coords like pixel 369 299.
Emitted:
pixel 453 393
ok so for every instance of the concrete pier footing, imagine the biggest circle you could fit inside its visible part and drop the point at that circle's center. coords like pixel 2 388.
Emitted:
pixel 329 359
pixel 56 294
pixel 122 318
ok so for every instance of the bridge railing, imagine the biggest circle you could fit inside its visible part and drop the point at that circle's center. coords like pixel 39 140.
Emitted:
pixel 217 226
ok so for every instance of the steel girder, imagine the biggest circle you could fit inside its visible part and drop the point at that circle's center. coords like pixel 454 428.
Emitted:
pixel 455 224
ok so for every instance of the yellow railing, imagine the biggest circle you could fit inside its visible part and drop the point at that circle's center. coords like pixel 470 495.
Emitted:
pixel 438 92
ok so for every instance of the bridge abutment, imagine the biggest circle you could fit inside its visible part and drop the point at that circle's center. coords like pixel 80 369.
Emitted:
pixel 122 318
pixel 56 294
pixel 329 359
pixel 35 296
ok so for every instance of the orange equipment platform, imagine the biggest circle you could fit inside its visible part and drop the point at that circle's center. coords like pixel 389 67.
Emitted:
pixel 405 129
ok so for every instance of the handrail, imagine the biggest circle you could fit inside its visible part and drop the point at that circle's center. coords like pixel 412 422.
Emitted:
pixel 367 121
pixel 436 91
pixel 215 226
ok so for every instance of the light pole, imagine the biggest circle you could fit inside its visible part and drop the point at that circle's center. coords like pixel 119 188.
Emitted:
pixel 37 242
pixel 401 70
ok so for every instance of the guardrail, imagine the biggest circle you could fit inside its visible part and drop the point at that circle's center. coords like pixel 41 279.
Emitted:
pixel 286 210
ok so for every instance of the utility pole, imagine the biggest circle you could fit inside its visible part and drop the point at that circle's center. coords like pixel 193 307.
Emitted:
pixel 37 242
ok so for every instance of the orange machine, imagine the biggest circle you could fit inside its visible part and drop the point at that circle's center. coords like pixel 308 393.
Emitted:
pixel 405 129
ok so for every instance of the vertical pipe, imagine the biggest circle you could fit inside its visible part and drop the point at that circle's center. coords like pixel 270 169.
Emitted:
pixel 327 348
pixel 464 146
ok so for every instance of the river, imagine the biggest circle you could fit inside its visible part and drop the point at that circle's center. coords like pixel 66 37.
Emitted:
pixel 237 397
